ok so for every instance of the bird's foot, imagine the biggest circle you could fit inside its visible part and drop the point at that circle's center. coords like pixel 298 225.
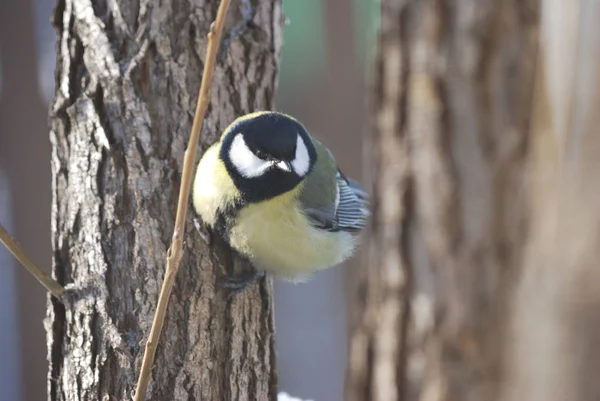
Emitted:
pixel 240 282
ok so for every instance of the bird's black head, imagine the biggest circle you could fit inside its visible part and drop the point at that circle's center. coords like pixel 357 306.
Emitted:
pixel 266 154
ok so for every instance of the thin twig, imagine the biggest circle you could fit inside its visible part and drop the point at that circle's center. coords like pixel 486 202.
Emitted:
pixel 175 251
pixel 52 286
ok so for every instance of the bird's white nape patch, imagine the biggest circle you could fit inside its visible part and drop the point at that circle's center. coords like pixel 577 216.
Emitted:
pixel 245 161
pixel 301 162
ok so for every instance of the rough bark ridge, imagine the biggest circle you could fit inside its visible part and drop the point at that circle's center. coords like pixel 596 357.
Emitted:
pixel 451 105
pixel 128 74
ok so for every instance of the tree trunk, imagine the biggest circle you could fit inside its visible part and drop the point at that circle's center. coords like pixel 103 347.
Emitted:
pixel 128 74
pixel 554 353
pixel 482 281
pixel 451 151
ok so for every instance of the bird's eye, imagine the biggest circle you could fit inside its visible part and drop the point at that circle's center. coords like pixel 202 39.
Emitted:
pixel 262 155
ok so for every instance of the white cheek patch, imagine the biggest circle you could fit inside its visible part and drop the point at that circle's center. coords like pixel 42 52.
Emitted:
pixel 246 162
pixel 301 162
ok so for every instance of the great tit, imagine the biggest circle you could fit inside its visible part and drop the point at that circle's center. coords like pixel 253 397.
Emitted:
pixel 277 197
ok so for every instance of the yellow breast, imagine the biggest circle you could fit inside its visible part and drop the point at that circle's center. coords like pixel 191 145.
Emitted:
pixel 277 238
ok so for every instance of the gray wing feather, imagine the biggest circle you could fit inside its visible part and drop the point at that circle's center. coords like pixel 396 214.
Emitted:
pixel 352 211
pixel 357 188
pixel 349 212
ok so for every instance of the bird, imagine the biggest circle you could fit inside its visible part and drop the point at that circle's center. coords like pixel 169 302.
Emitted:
pixel 277 197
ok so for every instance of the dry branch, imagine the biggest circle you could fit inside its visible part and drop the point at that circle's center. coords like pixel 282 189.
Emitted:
pixel 52 286
pixel 175 250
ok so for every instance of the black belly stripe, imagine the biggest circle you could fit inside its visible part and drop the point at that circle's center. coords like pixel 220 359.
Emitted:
pixel 226 217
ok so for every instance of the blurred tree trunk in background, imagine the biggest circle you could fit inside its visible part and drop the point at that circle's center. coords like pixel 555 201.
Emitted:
pixel 128 75
pixel 451 106
pixel 482 279
pixel 556 322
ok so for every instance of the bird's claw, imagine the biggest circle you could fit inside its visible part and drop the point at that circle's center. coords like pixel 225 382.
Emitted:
pixel 238 283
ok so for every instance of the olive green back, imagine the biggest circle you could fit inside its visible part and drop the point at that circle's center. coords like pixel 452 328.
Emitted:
pixel 320 188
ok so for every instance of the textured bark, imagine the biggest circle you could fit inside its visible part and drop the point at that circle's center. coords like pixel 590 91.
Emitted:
pixel 452 102
pixel 127 76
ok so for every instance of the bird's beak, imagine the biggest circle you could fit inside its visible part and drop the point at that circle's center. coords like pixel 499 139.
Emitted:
pixel 284 165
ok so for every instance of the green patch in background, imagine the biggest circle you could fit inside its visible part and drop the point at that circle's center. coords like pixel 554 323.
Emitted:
pixel 367 18
pixel 304 54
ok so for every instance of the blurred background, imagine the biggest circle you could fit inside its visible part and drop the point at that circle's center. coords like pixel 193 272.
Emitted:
pixel 327 52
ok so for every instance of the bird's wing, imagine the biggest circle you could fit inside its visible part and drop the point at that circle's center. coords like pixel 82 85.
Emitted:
pixel 333 202
pixel 352 209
